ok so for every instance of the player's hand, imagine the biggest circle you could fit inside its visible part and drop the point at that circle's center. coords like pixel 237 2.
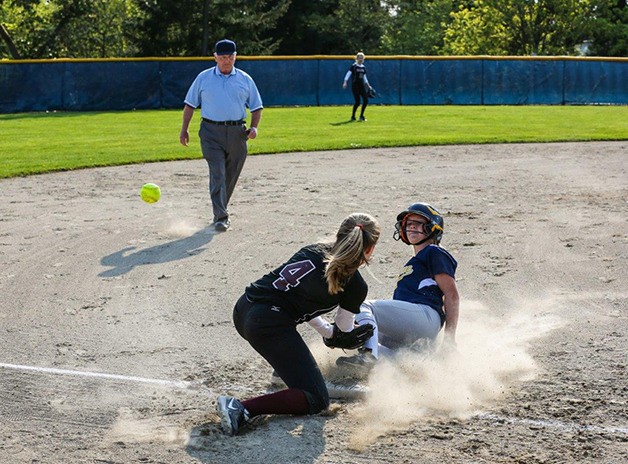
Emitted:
pixel 251 133
pixel 344 86
pixel 184 138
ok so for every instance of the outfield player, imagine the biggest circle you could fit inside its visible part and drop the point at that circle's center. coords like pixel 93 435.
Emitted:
pixel 359 85
pixel 316 280
pixel 223 93
pixel 426 298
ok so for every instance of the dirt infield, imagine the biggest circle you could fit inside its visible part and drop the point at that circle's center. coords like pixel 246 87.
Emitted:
pixel 116 329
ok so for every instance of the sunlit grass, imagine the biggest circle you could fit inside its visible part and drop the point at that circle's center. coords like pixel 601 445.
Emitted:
pixel 41 142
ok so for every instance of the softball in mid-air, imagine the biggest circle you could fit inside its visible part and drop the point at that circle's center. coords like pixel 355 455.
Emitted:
pixel 150 193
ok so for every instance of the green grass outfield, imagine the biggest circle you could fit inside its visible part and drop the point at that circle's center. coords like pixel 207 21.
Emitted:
pixel 34 143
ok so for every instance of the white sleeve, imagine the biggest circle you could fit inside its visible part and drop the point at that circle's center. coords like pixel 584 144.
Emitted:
pixel 366 80
pixel 348 75
pixel 321 326
pixel 344 320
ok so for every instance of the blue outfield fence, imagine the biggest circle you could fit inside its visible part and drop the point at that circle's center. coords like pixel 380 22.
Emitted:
pixel 153 83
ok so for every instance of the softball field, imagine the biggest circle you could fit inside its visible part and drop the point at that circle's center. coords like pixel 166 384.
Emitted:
pixel 116 331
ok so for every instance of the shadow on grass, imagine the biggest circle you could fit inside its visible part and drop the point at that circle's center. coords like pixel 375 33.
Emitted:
pixel 342 123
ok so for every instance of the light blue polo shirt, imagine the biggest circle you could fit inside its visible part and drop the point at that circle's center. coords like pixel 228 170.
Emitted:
pixel 224 98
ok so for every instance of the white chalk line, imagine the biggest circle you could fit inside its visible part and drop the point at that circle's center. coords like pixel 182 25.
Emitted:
pixel 123 378
pixel 554 424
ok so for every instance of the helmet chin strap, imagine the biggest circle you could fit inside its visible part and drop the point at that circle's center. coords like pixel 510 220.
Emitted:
pixel 422 241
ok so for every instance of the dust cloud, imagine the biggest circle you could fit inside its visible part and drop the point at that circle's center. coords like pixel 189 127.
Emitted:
pixel 131 428
pixel 492 357
pixel 180 229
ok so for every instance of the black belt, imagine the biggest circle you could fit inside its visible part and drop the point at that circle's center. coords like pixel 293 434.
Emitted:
pixel 224 123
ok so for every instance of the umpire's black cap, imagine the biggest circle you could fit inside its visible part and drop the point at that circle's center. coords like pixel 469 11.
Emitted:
pixel 225 47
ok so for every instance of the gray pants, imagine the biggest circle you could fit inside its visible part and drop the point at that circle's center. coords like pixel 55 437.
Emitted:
pixel 224 148
pixel 398 324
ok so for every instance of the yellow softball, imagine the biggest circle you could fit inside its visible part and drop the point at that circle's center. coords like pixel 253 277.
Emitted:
pixel 150 193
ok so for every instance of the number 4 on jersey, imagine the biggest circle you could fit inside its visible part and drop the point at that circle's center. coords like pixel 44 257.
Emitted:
pixel 292 274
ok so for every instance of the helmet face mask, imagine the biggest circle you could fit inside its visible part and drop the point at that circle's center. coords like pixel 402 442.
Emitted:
pixel 433 228
pixel 423 227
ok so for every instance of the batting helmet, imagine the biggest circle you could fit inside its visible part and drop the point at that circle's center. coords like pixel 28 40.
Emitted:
pixel 433 229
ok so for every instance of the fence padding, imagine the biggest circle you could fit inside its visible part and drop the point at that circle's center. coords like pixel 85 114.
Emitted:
pixel 124 84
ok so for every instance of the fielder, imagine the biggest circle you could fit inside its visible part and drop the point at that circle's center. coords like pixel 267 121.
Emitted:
pixel 426 298
pixel 316 280
pixel 360 86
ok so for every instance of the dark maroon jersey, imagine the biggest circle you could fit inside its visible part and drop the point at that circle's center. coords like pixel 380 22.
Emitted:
pixel 299 286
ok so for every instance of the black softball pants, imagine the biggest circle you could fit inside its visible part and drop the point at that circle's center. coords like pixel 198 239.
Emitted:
pixel 273 334
pixel 359 92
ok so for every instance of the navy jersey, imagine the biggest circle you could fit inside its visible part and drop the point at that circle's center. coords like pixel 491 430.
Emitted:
pixel 416 283
pixel 299 286
pixel 358 72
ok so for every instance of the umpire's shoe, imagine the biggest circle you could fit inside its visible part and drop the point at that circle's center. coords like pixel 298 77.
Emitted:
pixel 222 225
pixel 233 414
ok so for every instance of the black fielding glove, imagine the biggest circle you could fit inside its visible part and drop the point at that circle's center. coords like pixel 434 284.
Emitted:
pixel 349 340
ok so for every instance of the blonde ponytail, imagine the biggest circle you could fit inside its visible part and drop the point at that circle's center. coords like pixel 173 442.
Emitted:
pixel 356 235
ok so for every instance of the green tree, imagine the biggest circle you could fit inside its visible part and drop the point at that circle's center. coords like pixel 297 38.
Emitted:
pixel 115 28
pixel 68 28
pixel 331 27
pixel 106 28
pixel 609 28
pixel 478 30
pixel 27 28
pixel 170 28
pixel 190 27
pixel 357 25
pixel 417 27
pixel 304 29
pixel 518 27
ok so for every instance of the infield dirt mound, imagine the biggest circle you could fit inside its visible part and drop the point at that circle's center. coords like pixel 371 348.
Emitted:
pixel 95 280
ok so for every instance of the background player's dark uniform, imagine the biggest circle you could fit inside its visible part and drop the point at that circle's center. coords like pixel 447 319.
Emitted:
pixel 268 313
pixel 359 87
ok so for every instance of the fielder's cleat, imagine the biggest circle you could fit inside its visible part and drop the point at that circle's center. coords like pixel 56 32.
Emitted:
pixel 364 360
pixel 352 118
pixel 222 225
pixel 233 414
pixel 362 119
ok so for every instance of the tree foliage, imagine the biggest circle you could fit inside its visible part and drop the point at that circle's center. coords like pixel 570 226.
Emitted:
pixel 176 28
pixel 69 28
pixel 478 30
pixel 518 27
pixel 358 25
pixel 609 29
pixel 120 28
pixel 417 27
pixel 105 28
pixel 304 28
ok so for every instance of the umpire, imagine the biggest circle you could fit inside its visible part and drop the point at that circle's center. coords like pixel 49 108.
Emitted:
pixel 223 93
